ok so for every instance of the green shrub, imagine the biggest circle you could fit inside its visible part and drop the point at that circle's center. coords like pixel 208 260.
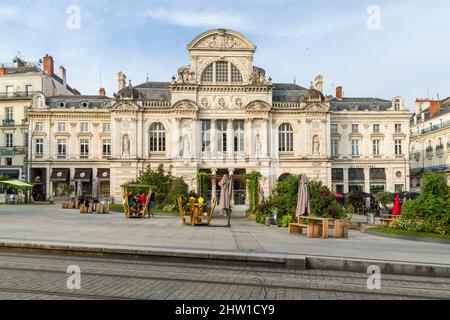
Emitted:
pixel 285 220
pixel 430 212
pixel 385 198
pixel 178 187
pixel 260 217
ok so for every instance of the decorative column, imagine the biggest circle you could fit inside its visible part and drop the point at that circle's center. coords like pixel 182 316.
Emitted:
pixel 134 138
pixel 230 139
pixel 230 174
pixel 212 139
pixel 194 140
pixel 176 138
pixel 118 139
pixel 367 185
pixel 250 137
pixel 264 138
pixel 213 185
pixel 346 189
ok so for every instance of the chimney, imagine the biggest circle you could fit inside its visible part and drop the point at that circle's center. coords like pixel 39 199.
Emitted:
pixel 435 105
pixel 102 92
pixel 339 93
pixel 62 72
pixel 121 81
pixel 318 83
pixel 2 70
pixel 48 65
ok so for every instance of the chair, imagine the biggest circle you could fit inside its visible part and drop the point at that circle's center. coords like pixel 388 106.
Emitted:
pixel 182 211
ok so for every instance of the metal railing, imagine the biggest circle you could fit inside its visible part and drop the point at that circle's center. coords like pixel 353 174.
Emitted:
pixel 17 94
pixel 436 127
pixel 439 168
pixel 8 122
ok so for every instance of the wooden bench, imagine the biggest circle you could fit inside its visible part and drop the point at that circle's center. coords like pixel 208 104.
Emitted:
pixel 340 229
pixel 296 227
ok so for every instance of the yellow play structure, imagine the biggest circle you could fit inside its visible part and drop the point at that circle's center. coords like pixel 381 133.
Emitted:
pixel 135 209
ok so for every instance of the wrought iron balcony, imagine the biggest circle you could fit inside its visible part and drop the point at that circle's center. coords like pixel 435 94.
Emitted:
pixel 17 94
pixel 8 122
pixel 436 127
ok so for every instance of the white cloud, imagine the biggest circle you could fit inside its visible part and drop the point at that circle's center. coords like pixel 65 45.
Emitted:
pixel 190 18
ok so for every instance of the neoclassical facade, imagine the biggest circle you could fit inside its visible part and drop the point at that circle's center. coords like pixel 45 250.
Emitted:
pixel 222 114
pixel 430 139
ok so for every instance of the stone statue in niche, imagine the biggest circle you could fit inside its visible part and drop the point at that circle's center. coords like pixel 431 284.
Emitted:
pixel 258 152
pixel 316 146
pixel 185 147
pixel 125 145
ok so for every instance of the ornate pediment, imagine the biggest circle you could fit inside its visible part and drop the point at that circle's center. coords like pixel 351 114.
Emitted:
pixel 185 105
pixel 125 106
pixel 258 107
pixel 316 107
pixel 221 39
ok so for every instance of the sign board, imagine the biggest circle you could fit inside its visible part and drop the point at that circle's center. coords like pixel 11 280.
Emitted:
pixel 6 152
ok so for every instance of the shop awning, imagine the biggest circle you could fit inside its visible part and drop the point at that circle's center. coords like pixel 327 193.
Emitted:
pixel 60 175
pixel 16 183
pixel 83 175
pixel 103 174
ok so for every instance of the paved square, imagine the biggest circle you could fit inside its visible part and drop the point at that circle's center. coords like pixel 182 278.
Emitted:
pixel 50 224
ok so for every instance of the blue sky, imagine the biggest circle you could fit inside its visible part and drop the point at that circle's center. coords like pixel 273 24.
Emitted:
pixel 408 56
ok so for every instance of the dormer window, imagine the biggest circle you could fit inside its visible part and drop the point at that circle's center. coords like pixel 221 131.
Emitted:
pixel 397 105
pixel 84 104
pixel 222 72
pixel 61 104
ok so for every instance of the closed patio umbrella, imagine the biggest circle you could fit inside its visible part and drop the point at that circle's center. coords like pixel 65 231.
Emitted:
pixel 95 191
pixel 79 190
pixel 303 200
pixel 397 206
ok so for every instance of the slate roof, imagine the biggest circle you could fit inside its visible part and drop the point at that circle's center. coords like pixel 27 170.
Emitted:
pixel 64 102
pixel 360 104
pixel 287 92
pixel 157 91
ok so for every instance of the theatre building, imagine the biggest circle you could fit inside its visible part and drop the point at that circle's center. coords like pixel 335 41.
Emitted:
pixel 222 114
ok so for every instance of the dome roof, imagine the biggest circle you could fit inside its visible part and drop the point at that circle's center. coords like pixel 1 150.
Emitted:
pixel 129 93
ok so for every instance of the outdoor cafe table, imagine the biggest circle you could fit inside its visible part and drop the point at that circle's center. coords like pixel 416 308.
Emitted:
pixel 316 226
pixel 196 213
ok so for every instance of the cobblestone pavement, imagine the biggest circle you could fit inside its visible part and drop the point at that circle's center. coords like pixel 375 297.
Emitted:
pixel 52 225
pixel 31 276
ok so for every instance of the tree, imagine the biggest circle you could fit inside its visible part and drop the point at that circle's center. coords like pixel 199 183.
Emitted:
pixel 435 184
pixel 385 198
pixel 166 186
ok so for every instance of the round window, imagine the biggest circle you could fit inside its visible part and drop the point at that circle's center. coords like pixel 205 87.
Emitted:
pixel 398 174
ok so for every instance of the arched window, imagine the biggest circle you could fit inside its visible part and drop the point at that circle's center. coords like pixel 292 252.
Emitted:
pixel 285 138
pixel 157 138
pixel 207 75
pixel 222 72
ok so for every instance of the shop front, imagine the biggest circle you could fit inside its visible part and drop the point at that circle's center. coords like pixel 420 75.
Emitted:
pixel 84 176
pixel 103 176
pixel 60 180
pixel 39 177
